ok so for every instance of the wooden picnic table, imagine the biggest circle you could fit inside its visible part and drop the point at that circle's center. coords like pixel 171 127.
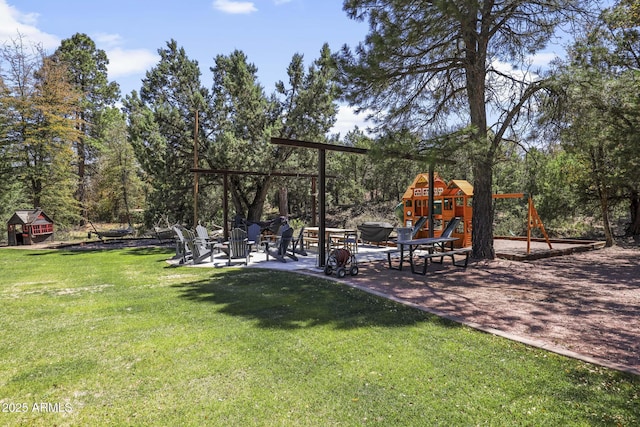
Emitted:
pixel 332 235
pixel 431 243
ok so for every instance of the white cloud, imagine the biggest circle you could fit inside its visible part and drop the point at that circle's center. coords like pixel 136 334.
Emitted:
pixel 235 7
pixel 542 59
pixel 132 61
pixel 516 73
pixel 14 23
pixel 123 62
pixel 347 120
pixel 107 40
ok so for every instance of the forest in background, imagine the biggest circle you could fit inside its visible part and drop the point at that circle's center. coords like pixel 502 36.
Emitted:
pixel 71 144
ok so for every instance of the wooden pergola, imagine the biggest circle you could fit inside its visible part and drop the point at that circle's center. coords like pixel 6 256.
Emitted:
pixel 322 148
pixel 226 172
pixel 322 152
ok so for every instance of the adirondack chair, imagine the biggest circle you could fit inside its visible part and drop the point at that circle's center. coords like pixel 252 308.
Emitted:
pixel 238 246
pixel 183 251
pixel 281 246
pixel 202 234
pixel 298 244
pixel 253 234
pixel 200 250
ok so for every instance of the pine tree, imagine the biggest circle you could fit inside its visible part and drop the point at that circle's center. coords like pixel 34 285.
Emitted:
pixel 87 68
pixel 38 101
pixel 434 67
pixel 162 124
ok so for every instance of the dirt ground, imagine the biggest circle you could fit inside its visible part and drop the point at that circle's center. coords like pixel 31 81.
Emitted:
pixel 585 305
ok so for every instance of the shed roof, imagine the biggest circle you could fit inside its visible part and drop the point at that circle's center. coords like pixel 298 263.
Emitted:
pixel 29 217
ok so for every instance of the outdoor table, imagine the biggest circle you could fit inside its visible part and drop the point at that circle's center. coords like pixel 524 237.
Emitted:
pixel 330 233
pixel 432 243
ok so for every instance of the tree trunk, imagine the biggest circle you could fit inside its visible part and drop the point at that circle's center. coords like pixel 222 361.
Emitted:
pixel 482 221
pixel 606 223
pixel 81 190
pixel 283 202
pixel 596 156
pixel 634 208
pixel 125 196
pixel 256 207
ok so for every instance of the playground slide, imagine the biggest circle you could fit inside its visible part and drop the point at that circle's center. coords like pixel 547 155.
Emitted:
pixel 418 226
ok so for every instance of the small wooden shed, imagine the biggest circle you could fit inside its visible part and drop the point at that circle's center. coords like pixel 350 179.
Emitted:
pixel 29 226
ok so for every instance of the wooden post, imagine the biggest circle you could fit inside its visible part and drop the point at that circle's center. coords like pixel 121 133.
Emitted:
pixel 225 204
pixel 283 202
pixel 322 159
pixel 432 178
pixel 535 221
pixel 195 175
pixel 529 221
pixel 314 200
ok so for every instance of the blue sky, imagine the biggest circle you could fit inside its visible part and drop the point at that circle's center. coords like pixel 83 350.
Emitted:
pixel 269 32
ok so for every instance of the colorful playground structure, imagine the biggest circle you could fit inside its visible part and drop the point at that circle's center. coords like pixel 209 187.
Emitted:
pixel 452 200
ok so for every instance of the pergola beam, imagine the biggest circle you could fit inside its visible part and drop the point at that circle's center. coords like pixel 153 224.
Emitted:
pixel 318 145
pixel 239 172
pixel 226 172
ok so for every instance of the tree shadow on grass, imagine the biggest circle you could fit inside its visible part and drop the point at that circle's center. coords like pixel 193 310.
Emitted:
pixel 139 251
pixel 286 300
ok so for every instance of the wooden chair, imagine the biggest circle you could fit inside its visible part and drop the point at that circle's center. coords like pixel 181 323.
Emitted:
pixel 238 246
pixel 200 250
pixel 253 233
pixel 282 246
pixel 202 233
pixel 183 251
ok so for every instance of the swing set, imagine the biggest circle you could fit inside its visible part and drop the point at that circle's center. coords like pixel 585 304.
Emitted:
pixel 533 219
pixel 453 200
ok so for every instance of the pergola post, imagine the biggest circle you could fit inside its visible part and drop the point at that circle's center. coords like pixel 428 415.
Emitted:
pixel 431 196
pixel 314 201
pixel 322 159
pixel 225 207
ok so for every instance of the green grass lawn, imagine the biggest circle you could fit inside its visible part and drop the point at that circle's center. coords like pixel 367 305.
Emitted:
pixel 119 337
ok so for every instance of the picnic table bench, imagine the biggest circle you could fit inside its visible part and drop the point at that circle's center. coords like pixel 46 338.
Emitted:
pixel 437 247
pixel 430 256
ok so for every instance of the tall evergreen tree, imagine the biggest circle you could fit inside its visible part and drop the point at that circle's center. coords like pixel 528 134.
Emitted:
pixel 161 127
pixel 243 119
pixel 118 187
pixel 433 65
pixel 51 144
pixel 302 108
pixel 11 192
pixel 87 66
pixel 38 101
pixel 597 107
